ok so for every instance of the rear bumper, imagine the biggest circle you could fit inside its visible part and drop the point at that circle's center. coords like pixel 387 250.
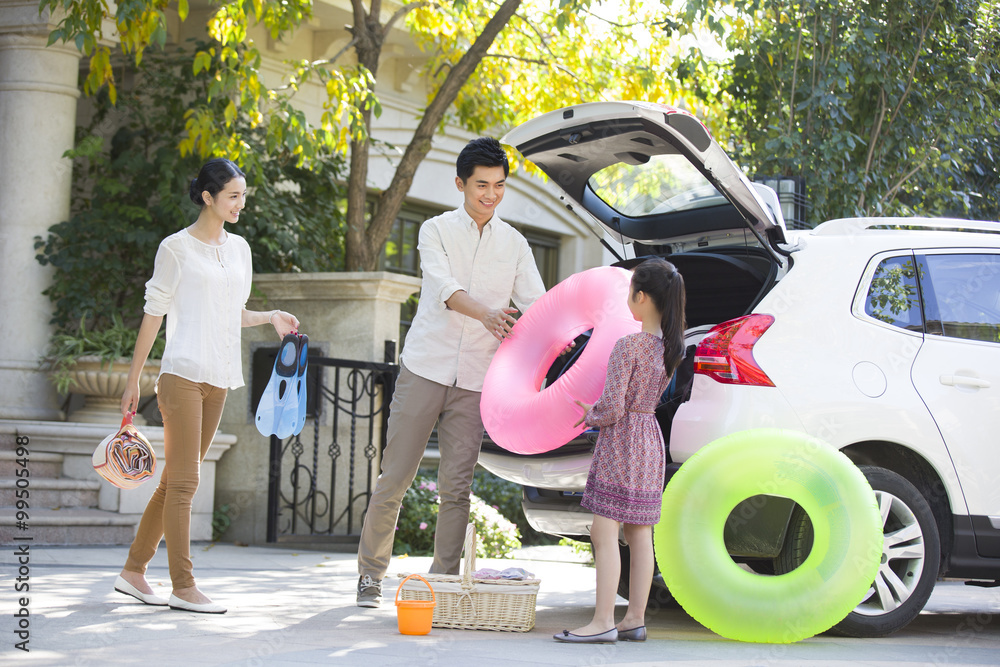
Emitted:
pixel 558 512
pixel 564 469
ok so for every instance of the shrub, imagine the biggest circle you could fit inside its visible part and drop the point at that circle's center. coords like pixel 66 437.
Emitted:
pixel 506 498
pixel 417 518
pixel 497 536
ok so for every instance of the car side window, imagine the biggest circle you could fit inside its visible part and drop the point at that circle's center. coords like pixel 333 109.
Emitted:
pixel 962 292
pixel 893 296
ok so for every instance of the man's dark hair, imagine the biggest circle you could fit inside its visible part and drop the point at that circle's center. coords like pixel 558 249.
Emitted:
pixel 481 152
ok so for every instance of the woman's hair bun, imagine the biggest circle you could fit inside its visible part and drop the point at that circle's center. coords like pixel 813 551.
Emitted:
pixel 194 194
pixel 213 177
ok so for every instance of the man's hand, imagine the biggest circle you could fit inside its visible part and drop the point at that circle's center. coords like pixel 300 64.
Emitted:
pixel 499 321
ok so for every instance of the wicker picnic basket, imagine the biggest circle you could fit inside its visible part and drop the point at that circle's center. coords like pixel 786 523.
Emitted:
pixel 466 603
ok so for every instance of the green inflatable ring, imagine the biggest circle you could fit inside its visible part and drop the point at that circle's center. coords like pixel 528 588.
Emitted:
pixel 741 605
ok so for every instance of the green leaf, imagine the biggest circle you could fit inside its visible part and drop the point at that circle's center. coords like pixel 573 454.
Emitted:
pixel 202 61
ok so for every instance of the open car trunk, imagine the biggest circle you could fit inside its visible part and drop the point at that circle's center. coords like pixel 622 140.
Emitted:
pixel 652 177
pixel 722 283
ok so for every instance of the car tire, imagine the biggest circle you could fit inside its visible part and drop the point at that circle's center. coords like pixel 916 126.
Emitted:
pixel 659 595
pixel 910 559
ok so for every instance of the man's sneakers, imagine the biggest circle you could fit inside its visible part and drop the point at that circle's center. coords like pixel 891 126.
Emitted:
pixel 369 592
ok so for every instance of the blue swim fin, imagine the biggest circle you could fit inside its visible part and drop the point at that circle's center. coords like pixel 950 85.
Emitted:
pixel 280 388
pixel 303 367
pixel 288 423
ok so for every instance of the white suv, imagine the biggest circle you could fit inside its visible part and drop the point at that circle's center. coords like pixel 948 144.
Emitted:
pixel 880 336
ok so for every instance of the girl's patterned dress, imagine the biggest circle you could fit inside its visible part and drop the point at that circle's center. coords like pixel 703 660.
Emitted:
pixel 626 476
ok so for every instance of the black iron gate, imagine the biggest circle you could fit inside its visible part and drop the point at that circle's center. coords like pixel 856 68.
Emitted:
pixel 319 481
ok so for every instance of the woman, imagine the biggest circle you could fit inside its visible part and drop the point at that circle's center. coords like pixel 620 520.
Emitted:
pixel 201 281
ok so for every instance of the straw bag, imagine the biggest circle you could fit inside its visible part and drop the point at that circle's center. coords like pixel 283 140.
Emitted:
pixel 466 603
pixel 125 458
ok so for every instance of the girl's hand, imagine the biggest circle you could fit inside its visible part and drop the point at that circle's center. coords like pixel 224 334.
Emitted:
pixel 284 323
pixel 586 409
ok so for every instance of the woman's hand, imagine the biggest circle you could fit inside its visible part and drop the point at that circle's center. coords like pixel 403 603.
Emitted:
pixel 284 323
pixel 130 399
pixel 586 409
pixel 143 344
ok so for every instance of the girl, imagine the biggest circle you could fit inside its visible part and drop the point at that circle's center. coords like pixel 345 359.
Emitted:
pixel 201 281
pixel 625 483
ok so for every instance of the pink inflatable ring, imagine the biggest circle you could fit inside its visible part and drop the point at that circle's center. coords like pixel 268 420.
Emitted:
pixel 518 413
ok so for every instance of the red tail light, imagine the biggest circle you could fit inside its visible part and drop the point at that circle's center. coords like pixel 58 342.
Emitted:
pixel 726 353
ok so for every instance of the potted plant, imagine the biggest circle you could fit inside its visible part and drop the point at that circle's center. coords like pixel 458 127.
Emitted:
pixel 95 364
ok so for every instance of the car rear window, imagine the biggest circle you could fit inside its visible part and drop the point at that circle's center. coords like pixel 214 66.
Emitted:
pixel 642 185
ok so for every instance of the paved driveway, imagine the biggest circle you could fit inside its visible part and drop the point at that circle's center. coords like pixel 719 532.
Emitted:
pixel 297 608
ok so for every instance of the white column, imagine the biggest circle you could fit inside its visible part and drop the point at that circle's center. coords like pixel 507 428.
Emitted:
pixel 38 97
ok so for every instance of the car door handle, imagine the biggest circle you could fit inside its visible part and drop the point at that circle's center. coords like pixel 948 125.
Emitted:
pixel 965 380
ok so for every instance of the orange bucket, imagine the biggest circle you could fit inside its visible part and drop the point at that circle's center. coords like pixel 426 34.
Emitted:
pixel 414 616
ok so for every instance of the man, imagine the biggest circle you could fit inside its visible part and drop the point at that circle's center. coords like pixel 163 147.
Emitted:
pixel 473 265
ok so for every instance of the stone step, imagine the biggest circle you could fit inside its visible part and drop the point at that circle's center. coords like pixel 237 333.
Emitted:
pixel 49 493
pixel 39 464
pixel 67 527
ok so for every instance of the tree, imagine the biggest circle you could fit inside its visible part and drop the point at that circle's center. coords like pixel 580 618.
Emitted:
pixel 887 107
pixel 499 67
pixel 130 189
pixel 494 63
pixel 366 238
pixel 230 67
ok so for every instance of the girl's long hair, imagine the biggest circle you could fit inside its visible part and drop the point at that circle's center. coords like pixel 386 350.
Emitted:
pixel 663 283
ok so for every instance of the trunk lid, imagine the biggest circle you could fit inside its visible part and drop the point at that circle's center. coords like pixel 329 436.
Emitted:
pixel 648 173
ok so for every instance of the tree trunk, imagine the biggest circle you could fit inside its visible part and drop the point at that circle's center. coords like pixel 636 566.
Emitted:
pixel 369 35
pixel 364 242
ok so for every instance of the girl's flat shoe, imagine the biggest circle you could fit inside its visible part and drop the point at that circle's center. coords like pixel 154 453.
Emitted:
pixel 609 637
pixel 123 586
pixel 634 635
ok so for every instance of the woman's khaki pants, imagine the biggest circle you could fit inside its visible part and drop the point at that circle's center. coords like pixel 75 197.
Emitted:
pixel 191 414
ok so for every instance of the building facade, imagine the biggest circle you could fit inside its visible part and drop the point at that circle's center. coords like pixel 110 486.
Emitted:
pixel 40 108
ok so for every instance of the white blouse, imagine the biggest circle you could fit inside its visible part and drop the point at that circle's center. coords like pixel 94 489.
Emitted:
pixel 202 290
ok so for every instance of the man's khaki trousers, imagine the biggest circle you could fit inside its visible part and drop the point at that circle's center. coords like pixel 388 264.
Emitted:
pixel 417 404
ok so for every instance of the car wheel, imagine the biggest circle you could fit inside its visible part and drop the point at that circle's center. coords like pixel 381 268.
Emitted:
pixel 911 554
pixel 659 595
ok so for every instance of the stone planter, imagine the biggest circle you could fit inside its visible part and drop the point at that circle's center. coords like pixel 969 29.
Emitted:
pixel 103 386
